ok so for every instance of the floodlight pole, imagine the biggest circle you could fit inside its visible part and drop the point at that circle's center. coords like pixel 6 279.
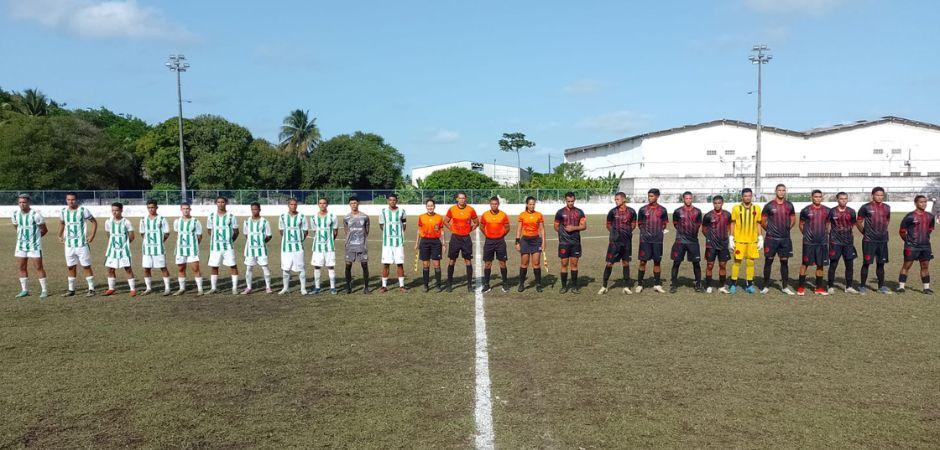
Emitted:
pixel 759 57
pixel 178 64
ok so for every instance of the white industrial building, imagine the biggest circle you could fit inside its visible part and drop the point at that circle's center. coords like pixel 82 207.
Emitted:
pixel 899 154
pixel 504 175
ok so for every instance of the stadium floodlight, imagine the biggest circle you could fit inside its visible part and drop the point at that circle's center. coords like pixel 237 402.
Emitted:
pixel 759 57
pixel 178 64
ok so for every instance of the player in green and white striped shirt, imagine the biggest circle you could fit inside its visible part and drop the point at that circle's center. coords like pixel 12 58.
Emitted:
pixel 188 237
pixel 325 227
pixel 118 256
pixel 257 234
pixel 154 231
pixel 73 233
pixel 223 229
pixel 30 228
pixel 293 228
pixel 392 222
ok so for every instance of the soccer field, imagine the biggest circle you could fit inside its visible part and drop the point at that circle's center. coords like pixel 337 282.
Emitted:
pixel 394 370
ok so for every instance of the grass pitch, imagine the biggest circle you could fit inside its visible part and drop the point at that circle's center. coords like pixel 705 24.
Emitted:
pixel 397 370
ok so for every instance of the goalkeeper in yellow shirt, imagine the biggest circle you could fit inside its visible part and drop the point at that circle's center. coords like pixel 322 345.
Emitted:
pixel 745 240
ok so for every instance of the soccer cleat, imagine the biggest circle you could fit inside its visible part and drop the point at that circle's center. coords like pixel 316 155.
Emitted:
pixel 246 291
pixel 282 291
pixel 659 289
pixel 428 288
pixel 469 288
pixel 862 290
pixel 450 287
pixel 626 290
pixel 801 291
pixel 200 293
pixel 602 290
pixel 303 292
pixel 521 287
pixel 211 291
pixel 765 290
pixel 109 292
pixel 90 293
pixel 850 290
pixel 732 289
pixel 698 287
pixel 366 290
pixel 315 291
pixel 402 289
pixel 673 289
pixel 269 291
pixel 927 291
pixel 333 291
pixel 576 290
pixel 45 294
pixel 708 290
pixel 787 291
pixel 22 294
pixel 884 290
pixel 68 294
pixel 146 292
pixel 504 288
pixel 166 293
pixel 900 290
pixel 383 290
pixel 538 288
pixel 179 292
pixel 133 294
pixel 821 291
pixel 486 288
pixel 751 289
pixel 639 288
pixel 563 290
pixel 832 290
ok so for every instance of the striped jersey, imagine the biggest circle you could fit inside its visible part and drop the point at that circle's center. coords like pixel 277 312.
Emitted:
pixel 292 228
pixel 815 220
pixel 28 235
pixel 119 245
pixel 223 228
pixel 393 221
pixel 746 223
pixel 256 231
pixel 323 228
pixel 152 231
pixel 917 226
pixel 875 216
pixel 187 239
pixel 74 222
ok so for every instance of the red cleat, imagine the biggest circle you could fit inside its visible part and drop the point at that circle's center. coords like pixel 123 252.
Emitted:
pixel 821 291
pixel 133 293
pixel 109 292
pixel 801 290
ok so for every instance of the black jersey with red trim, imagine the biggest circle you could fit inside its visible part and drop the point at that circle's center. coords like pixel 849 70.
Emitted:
pixel 716 227
pixel 841 223
pixel 650 221
pixel 875 217
pixel 918 225
pixel 688 223
pixel 815 220
pixel 778 218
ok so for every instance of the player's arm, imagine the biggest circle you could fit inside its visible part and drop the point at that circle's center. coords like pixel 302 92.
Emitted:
pixel 610 218
pixel 675 219
pixel 366 225
pixel 474 222
pixel 902 230
pixel 557 220
pixel 404 224
pixel 802 220
pixel 763 220
pixel 130 232
pixel 582 224
pixel 62 229
pixel 198 232
pixel 505 227
pixel 43 230
pixel 542 231
pixel 94 228
pixel 234 231
pixel 267 232
pixel 305 227
pixel 860 221
pixel 665 219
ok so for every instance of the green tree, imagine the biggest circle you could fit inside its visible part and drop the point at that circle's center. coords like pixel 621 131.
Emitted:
pixel 514 142
pixel 299 133
pixel 276 169
pixel 32 102
pixel 357 161
pixel 457 178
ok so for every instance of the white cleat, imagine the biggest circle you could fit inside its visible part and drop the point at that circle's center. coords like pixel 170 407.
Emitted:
pixel 145 292
pixel 303 292
pixel 708 290
pixel 283 291
pixel 724 290
pixel 246 291
pixel 659 289
pixel 626 290
pixel 180 292
pixel 851 290
pixel 211 291
pixel 832 290
pixel 788 291
pixel 765 290
pixel 602 291
pixel 639 288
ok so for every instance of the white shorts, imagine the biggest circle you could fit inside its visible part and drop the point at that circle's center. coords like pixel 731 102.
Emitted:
pixel 153 262
pixel 222 257
pixel 393 255
pixel 180 259
pixel 323 259
pixel 31 254
pixel 77 256
pixel 256 261
pixel 292 261
pixel 117 263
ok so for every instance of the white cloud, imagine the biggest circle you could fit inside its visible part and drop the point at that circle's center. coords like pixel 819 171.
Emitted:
pixel 444 137
pixel 814 7
pixel 615 122
pixel 581 87
pixel 95 19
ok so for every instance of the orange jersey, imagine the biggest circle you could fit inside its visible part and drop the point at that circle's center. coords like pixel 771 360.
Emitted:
pixel 461 219
pixel 530 221
pixel 430 226
pixel 494 225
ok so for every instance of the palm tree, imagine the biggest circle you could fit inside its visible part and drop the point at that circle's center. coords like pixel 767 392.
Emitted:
pixel 299 133
pixel 33 103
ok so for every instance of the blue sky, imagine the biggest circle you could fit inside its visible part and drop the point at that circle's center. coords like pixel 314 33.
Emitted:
pixel 441 80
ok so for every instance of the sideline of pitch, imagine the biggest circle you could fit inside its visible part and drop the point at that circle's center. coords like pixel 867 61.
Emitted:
pixel 483 409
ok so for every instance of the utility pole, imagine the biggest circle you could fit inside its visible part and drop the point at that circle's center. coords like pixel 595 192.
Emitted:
pixel 178 64
pixel 759 57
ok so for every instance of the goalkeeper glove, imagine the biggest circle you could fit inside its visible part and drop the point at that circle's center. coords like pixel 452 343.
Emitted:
pixel 760 242
pixel 730 242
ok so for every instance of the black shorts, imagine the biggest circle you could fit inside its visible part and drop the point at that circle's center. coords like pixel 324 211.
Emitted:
pixel 815 255
pixel 618 251
pixel 918 253
pixel 713 252
pixel 429 248
pixel 650 250
pixel 691 252
pixel 846 252
pixel 874 252
pixel 782 248
pixel 569 250
pixel 530 244
pixel 494 248
pixel 460 245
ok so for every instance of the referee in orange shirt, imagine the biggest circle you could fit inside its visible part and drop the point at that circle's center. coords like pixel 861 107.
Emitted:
pixel 430 244
pixel 495 225
pixel 529 240
pixel 461 220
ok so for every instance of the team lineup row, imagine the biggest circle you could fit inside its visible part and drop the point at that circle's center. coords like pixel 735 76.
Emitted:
pixel 740 236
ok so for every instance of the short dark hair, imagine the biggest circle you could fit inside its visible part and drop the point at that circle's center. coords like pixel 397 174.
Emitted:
pixel 185 204
pixel 253 204
pixel 151 202
pixel 841 193
pixel 780 186
pixel 653 191
pixel 919 196
pixel 718 197
pixel 323 198
pixel 429 200
pixel 689 193
pixel 529 198
pixel 816 191
pixel 223 198
pixel 354 199
pixel 746 191
pixel 23 196
pixel 569 194
pixel 494 198
pixel 460 192
pixel 620 194
pixel 118 205
pixel 392 195
pixel 877 189
pixel 292 199
pixel 72 193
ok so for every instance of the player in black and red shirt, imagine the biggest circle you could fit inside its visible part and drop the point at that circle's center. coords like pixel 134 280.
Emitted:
pixel 842 241
pixel 651 221
pixel 915 231
pixel 569 223
pixel 777 218
pixel 621 220
pixel 814 224
pixel 715 227
pixel 873 218
pixel 688 221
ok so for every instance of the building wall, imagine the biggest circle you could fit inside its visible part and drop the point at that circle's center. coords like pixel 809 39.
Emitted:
pixel 504 175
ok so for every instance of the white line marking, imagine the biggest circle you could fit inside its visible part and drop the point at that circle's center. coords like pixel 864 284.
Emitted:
pixel 483 411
